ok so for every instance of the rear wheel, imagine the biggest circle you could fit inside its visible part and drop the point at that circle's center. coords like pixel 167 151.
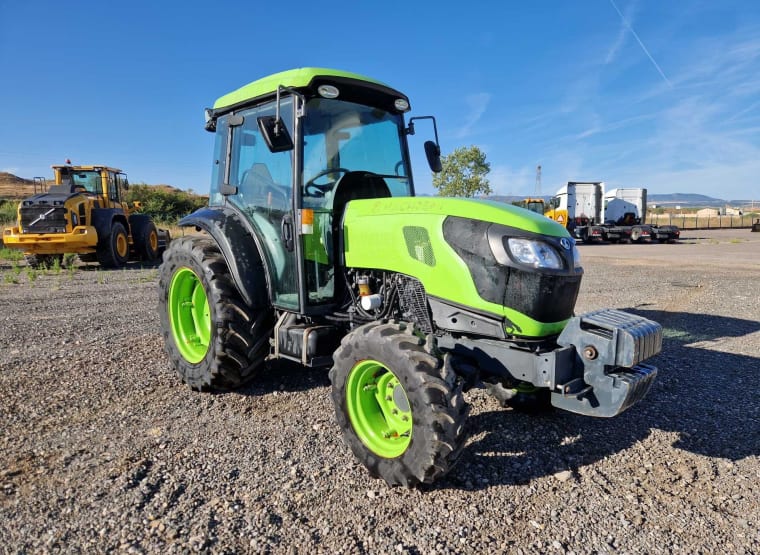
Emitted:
pixel 213 339
pixel 145 237
pixel 113 250
pixel 402 412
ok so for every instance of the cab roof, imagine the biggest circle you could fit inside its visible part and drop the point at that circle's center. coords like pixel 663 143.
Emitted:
pixel 86 168
pixel 294 78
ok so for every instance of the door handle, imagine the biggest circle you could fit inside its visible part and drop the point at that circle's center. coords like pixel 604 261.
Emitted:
pixel 286 231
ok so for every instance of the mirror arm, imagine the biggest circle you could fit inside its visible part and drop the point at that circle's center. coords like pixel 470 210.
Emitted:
pixel 410 128
pixel 300 105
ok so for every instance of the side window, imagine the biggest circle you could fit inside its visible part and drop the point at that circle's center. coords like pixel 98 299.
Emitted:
pixel 121 183
pixel 263 178
pixel 113 188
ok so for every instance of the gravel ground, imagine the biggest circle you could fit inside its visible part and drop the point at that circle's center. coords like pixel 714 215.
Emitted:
pixel 102 449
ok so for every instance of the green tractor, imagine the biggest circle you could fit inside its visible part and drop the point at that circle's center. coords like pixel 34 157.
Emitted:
pixel 317 251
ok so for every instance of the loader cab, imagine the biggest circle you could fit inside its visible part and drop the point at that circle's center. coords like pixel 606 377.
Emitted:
pixel 110 184
pixel 556 209
pixel 290 162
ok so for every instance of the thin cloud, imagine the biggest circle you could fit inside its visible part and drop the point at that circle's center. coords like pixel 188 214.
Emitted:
pixel 477 104
pixel 507 181
pixel 621 36
pixel 644 48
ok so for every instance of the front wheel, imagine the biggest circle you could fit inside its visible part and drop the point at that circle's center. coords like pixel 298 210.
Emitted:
pixel 213 339
pixel 402 412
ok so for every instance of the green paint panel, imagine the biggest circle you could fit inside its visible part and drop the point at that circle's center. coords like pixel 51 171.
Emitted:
pixel 293 78
pixel 375 238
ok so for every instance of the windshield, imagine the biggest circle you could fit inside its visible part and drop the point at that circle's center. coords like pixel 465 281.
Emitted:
pixel 535 206
pixel 343 136
pixel 87 179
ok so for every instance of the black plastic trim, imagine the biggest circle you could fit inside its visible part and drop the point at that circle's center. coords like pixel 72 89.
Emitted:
pixel 546 295
pixel 240 248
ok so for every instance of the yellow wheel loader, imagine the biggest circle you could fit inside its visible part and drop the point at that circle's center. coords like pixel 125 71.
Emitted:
pixel 85 212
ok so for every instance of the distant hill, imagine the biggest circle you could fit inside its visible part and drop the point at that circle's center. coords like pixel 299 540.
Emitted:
pixel 688 199
pixel 13 187
pixel 10 178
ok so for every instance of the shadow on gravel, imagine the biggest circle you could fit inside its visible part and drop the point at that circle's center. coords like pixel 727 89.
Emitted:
pixel 283 375
pixel 707 397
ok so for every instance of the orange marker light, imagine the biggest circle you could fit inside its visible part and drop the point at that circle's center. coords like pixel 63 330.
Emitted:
pixel 307 221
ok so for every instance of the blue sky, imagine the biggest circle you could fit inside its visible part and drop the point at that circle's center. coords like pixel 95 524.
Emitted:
pixel 660 94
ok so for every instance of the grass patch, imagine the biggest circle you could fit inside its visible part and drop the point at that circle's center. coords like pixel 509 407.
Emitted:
pixel 32 274
pixel 12 255
pixel 8 212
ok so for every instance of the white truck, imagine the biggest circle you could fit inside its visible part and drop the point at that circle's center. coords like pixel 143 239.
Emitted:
pixel 590 214
pixel 628 206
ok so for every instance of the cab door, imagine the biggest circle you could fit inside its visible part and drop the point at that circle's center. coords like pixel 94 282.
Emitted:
pixel 259 183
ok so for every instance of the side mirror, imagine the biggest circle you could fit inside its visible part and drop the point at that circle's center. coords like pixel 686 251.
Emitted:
pixel 275 133
pixel 433 153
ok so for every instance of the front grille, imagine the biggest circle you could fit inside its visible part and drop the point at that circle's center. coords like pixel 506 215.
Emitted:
pixel 43 219
pixel 413 301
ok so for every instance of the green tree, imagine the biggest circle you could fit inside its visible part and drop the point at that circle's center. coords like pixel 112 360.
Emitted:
pixel 165 206
pixel 464 173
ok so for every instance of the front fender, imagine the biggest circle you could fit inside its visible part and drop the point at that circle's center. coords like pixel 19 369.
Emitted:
pixel 103 218
pixel 240 249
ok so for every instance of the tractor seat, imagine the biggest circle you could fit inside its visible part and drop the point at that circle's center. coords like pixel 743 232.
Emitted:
pixel 355 186
pixel 258 188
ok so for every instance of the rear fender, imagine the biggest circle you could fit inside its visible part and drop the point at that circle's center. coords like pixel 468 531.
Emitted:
pixel 240 248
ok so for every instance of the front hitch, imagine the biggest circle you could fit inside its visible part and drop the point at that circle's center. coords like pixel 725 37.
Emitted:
pixel 608 376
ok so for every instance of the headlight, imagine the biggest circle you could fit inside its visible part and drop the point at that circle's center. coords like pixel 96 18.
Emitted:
pixel 534 253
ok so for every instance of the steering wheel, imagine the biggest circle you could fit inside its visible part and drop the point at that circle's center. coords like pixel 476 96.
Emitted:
pixel 319 189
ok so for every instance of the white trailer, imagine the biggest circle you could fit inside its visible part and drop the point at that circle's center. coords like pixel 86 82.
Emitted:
pixel 628 206
pixel 590 214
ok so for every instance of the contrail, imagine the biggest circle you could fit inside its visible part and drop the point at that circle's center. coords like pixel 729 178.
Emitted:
pixel 644 48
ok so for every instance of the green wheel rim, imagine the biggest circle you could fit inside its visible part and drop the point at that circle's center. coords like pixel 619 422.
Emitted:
pixel 526 388
pixel 379 409
pixel 189 315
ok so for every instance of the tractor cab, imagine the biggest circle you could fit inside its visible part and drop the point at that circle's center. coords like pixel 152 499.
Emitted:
pixel 291 154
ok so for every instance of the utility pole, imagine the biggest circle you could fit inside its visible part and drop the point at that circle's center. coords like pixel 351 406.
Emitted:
pixel 538 180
